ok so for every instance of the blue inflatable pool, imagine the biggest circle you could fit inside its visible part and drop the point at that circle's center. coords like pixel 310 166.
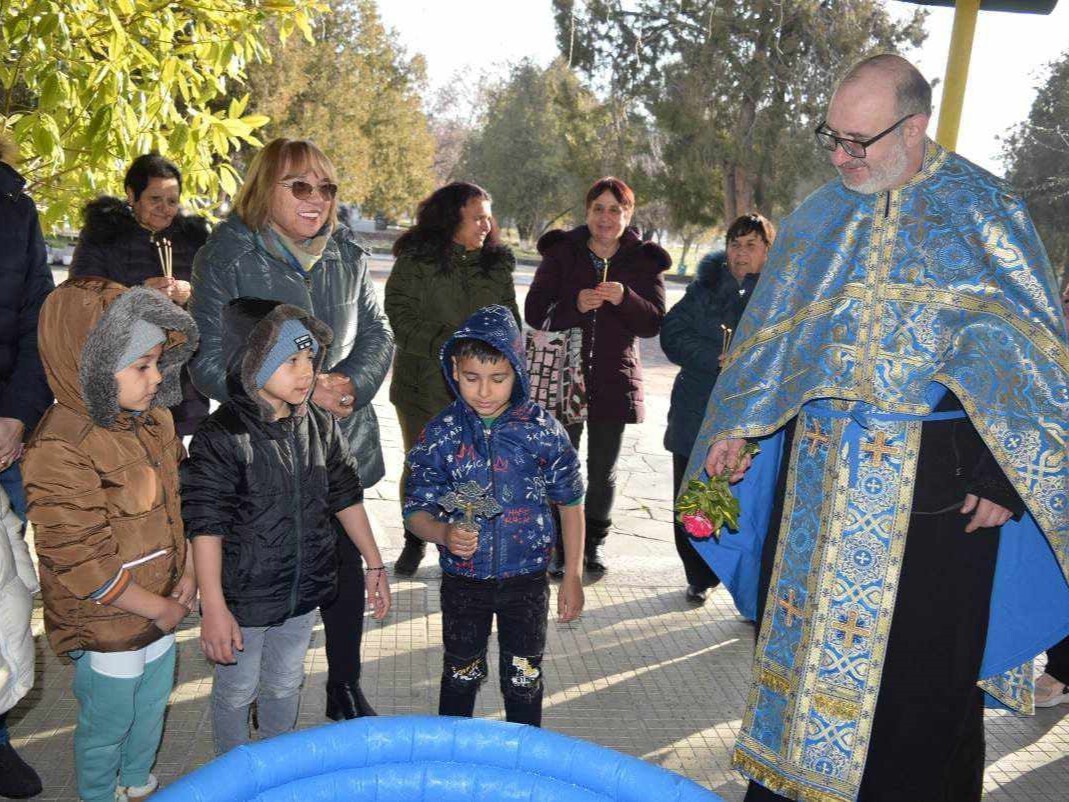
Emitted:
pixel 431 759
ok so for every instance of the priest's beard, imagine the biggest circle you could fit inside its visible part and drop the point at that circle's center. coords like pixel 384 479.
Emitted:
pixel 882 175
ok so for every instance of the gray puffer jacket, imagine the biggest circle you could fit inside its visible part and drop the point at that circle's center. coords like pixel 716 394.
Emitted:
pixel 337 290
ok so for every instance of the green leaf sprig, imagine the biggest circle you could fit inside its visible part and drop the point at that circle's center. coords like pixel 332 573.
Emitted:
pixel 706 507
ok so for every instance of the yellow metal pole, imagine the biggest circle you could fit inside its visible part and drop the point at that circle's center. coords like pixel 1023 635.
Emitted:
pixel 957 75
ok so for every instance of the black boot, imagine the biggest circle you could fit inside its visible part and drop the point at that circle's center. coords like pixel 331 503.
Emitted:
pixel 697 595
pixel 594 546
pixel 18 780
pixel 411 556
pixel 594 557
pixel 345 701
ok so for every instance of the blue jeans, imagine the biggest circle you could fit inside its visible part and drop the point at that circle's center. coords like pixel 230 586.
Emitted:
pixel 11 481
pixel 270 671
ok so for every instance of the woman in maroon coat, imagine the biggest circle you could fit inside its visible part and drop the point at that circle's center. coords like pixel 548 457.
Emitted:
pixel 603 278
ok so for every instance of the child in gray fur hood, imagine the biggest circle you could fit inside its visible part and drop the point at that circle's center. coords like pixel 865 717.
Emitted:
pixel 101 475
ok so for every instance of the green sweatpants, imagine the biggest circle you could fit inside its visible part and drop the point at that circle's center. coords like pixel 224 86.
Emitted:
pixel 120 723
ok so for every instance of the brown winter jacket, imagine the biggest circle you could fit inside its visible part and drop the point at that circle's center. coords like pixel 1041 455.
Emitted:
pixel 102 483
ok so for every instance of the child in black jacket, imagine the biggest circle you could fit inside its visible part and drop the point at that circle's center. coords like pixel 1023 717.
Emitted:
pixel 268 475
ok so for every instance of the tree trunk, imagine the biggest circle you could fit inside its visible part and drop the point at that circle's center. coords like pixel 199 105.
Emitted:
pixel 740 179
pixel 524 230
pixel 745 182
pixel 687 242
pixel 739 186
pixel 730 207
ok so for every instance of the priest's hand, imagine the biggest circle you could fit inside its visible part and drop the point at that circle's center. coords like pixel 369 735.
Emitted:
pixel 985 513
pixel 725 453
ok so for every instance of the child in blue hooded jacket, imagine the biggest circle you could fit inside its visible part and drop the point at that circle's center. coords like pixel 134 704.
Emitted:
pixel 482 478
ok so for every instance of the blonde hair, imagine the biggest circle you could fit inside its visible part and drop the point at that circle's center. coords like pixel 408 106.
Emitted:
pixel 277 159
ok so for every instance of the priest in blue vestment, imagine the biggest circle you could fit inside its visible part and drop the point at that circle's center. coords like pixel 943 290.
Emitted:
pixel 904 536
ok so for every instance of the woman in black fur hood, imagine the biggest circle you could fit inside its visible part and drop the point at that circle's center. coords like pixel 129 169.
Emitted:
pixel 129 241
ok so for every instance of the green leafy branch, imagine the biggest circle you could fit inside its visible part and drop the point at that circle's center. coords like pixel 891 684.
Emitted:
pixel 706 507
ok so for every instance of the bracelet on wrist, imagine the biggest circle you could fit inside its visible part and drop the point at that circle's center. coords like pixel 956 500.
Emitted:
pixel 376 568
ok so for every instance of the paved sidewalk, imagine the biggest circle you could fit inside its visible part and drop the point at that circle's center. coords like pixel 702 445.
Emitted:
pixel 642 671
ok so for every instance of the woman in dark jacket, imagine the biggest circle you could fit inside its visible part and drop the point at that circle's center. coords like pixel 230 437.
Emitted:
pixel 128 241
pixel 449 264
pixel 603 278
pixel 283 243
pixel 693 337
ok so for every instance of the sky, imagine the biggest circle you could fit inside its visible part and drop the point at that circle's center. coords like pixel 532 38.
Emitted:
pixel 464 39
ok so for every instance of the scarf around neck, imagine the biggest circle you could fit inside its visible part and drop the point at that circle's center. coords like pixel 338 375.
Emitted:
pixel 299 253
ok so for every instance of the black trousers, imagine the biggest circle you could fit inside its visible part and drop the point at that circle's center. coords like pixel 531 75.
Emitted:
pixel 1058 661
pixel 697 570
pixel 343 618
pixel 927 740
pixel 603 443
pixel 521 605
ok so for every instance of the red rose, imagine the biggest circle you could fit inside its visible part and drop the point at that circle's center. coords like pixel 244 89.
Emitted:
pixel 697 525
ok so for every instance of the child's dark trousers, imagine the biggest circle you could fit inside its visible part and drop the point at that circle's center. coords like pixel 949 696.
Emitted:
pixel 521 605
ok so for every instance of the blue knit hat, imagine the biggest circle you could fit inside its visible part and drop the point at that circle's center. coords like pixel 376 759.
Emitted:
pixel 143 337
pixel 292 337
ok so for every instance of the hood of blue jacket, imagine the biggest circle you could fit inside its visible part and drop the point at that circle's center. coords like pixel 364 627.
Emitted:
pixel 496 326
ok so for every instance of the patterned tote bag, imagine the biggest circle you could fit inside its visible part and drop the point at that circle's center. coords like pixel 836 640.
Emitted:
pixel 554 363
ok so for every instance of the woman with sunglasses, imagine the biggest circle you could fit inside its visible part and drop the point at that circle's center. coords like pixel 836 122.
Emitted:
pixel 145 238
pixel 283 243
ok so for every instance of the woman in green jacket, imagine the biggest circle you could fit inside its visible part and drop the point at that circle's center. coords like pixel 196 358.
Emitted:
pixel 449 264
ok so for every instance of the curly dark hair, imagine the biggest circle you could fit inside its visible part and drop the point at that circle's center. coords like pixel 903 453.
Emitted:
pixel 437 218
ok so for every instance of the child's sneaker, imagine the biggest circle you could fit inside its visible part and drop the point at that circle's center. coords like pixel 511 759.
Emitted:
pixel 135 793
pixel 1050 692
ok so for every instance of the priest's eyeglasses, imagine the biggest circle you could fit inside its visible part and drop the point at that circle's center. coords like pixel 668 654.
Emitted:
pixel 857 148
